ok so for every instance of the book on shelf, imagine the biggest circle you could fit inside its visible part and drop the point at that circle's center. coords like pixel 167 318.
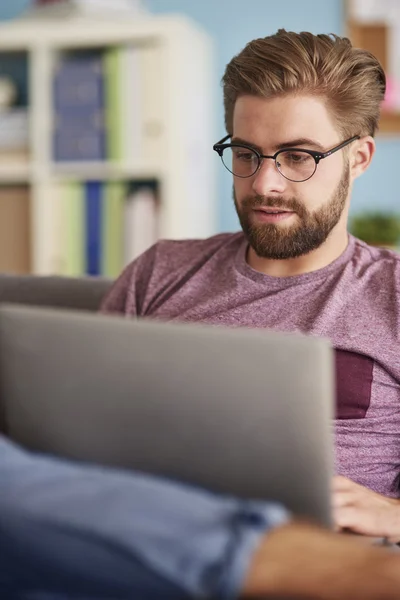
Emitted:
pixel 112 231
pixel 73 218
pixel 15 232
pixel 51 204
pixel 135 102
pixel 93 227
pixel 108 105
pixel 79 107
pixel 102 226
pixel 129 99
pixel 141 221
pixel 113 76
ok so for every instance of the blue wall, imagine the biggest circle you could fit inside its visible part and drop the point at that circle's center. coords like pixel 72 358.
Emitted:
pixel 11 8
pixel 231 24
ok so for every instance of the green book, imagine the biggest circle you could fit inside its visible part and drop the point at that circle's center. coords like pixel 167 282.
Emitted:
pixel 74 229
pixel 113 103
pixel 112 228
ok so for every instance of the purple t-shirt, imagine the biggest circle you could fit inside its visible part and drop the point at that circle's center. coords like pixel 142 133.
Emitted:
pixel 354 301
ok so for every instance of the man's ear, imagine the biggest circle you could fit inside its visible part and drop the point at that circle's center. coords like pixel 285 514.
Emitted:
pixel 361 155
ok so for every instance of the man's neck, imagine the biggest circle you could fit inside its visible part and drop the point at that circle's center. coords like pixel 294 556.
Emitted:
pixel 323 256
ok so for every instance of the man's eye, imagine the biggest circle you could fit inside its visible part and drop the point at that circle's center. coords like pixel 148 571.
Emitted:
pixel 244 156
pixel 297 157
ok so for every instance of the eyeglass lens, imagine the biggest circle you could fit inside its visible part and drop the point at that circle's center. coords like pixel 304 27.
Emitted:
pixel 243 162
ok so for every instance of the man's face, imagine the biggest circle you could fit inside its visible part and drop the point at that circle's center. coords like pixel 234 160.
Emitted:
pixel 315 207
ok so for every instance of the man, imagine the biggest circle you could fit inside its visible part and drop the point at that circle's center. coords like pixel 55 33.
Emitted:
pixel 81 532
pixel 301 113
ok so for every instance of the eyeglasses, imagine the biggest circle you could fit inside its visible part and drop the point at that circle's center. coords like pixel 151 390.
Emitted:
pixel 295 164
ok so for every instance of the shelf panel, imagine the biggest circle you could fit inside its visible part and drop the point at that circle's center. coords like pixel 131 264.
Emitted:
pixel 29 34
pixel 15 173
pixel 103 171
pixel 26 173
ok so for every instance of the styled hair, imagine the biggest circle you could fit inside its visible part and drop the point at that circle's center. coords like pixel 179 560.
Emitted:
pixel 350 80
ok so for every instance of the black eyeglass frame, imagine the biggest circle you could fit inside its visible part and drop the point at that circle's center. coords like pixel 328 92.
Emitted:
pixel 220 146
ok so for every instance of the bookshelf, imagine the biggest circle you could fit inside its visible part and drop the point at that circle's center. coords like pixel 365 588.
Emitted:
pixel 172 136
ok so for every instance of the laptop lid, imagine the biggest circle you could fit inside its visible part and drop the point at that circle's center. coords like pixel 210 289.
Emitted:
pixel 238 411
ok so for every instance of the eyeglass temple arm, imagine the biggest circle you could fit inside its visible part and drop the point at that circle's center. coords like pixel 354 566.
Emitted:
pixel 224 139
pixel 336 148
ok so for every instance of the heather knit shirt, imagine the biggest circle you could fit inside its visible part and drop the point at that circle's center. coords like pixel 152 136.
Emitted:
pixel 354 301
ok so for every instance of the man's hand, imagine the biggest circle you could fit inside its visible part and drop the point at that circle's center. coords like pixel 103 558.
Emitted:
pixel 300 561
pixel 363 511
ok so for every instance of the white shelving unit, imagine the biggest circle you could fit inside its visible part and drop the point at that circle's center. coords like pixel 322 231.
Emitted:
pixel 185 169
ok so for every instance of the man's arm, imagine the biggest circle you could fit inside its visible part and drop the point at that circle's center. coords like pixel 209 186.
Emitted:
pixel 299 561
pixel 115 300
pixel 363 511
pixel 128 292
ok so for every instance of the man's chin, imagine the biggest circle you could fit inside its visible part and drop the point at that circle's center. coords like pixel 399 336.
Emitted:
pixel 275 245
pixel 277 253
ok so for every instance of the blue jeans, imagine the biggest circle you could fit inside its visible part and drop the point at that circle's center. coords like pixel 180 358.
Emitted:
pixel 83 532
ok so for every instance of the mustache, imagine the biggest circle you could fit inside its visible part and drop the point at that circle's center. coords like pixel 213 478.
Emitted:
pixel 257 201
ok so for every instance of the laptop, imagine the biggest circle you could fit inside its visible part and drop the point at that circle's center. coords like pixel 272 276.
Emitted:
pixel 238 411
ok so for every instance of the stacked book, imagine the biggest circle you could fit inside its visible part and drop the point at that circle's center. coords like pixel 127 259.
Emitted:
pixel 79 125
pixel 107 108
pixel 108 105
pixel 104 226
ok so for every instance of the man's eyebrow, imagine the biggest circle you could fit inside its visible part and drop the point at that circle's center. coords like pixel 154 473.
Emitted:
pixel 307 143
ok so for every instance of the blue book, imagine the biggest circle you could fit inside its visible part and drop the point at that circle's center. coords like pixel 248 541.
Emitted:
pixel 79 109
pixel 93 194
pixel 79 82
pixel 79 135
pixel 84 146
pixel 85 118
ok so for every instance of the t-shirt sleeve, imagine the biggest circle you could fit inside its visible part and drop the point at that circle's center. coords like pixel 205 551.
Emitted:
pixel 127 294
pixel 115 301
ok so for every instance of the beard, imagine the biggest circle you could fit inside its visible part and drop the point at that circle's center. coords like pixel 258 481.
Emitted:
pixel 276 242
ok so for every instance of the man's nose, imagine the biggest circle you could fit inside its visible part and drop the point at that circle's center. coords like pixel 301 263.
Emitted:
pixel 268 179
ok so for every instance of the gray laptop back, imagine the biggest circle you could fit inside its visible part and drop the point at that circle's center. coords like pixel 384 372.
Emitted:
pixel 239 411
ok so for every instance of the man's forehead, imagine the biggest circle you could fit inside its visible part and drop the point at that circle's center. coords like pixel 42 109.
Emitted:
pixel 282 120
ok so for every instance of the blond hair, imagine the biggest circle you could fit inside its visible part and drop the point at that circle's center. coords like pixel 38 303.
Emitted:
pixel 351 80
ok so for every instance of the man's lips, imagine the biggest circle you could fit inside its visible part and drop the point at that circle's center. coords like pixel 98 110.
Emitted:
pixel 269 210
pixel 269 215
